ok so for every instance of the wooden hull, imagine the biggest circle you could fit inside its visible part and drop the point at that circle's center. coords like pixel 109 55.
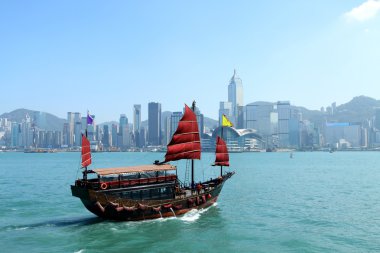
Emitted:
pixel 111 207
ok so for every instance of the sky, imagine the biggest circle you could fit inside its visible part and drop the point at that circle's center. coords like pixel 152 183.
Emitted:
pixel 106 56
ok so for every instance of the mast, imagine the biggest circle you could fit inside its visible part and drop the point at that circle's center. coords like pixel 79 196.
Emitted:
pixel 186 142
pixel 192 160
pixel 221 150
pixel 85 168
pixel 221 166
pixel 86 147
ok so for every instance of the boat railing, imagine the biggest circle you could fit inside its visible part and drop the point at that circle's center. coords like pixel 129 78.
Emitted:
pixel 105 185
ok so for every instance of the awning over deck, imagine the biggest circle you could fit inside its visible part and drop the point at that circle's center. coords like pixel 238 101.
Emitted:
pixel 134 169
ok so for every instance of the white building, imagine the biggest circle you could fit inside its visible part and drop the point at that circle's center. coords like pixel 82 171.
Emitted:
pixel 136 118
pixel 235 95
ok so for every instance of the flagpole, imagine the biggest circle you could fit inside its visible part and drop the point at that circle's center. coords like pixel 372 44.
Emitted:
pixel 221 167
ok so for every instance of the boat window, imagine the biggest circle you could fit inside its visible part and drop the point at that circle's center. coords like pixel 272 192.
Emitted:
pixel 135 195
pixel 166 192
pixel 145 194
pixel 155 193
pixel 129 176
pixel 92 176
pixel 110 178
pixel 125 194
pixel 144 175
pixel 148 174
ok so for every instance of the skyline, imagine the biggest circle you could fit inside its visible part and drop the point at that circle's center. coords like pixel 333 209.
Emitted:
pixel 59 57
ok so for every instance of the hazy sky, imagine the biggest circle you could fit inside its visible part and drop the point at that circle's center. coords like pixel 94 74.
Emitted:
pixel 105 56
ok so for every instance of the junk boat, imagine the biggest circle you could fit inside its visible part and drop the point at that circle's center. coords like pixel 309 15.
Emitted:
pixel 152 191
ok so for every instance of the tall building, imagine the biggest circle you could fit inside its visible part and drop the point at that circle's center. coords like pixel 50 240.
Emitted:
pixel 114 136
pixel 70 133
pixel 136 118
pixel 77 129
pixel 284 111
pixel 39 119
pixel 106 137
pixel 15 133
pixel 167 130
pixel 258 117
pixel 142 138
pixel 65 134
pixel 240 119
pixel 235 95
pixel 377 118
pixel 154 124
pixel 295 128
pixel 343 134
pixel 174 120
pixel 123 131
pixel 77 134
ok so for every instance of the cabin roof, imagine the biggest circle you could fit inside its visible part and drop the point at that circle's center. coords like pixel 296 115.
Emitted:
pixel 134 169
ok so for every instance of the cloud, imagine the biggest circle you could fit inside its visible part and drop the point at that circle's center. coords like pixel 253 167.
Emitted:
pixel 365 11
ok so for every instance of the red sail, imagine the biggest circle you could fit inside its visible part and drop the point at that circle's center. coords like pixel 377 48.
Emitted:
pixel 185 143
pixel 222 158
pixel 86 152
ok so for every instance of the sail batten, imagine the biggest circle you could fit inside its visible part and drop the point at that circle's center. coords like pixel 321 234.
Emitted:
pixel 221 153
pixel 185 143
pixel 86 152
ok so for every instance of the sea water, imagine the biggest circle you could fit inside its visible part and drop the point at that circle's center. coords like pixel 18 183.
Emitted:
pixel 314 202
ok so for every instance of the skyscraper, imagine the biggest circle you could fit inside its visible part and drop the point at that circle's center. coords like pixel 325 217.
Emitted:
pixel 136 118
pixel 123 130
pixel 174 120
pixel 77 129
pixel 70 130
pixel 114 136
pixel 106 137
pixel 284 113
pixel 235 95
pixel 377 118
pixel 154 123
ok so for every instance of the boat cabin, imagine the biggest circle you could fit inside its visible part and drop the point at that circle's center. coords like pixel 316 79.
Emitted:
pixel 135 182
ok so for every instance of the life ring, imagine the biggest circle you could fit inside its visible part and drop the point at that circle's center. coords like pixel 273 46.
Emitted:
pixel 103 186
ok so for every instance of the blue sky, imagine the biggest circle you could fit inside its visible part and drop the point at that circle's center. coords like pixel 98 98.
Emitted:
pixel 105 56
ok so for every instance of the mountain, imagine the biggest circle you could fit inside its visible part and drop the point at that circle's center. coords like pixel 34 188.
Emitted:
pixel 210 123
pixel 43 120
pixel 359 109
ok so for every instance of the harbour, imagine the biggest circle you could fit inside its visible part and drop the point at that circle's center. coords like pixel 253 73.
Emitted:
pixel 315 202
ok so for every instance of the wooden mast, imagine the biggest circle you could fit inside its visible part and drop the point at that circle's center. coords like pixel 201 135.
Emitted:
pixel 221 166
pixel 192 160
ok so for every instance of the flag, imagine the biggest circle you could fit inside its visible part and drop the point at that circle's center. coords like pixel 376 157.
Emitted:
pixel 226 122
pixel 90 119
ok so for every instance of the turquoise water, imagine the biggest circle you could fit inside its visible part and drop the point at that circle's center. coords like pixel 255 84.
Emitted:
pixel 315 202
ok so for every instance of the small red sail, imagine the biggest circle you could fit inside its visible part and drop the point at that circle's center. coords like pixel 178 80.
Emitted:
pixel 222 158
pixel 185 143
pixel 86 152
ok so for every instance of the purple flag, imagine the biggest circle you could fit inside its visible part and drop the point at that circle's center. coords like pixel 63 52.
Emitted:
pixel 90 119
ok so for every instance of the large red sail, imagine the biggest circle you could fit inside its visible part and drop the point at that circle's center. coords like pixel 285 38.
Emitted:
pixel 221 153
pixel 185 143
pixel 86 152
